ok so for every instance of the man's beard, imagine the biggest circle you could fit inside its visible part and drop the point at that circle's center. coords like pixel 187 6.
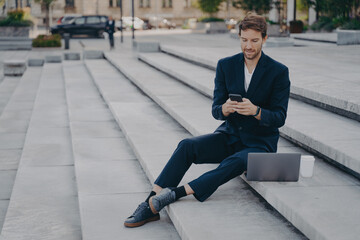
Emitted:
pixel 253 56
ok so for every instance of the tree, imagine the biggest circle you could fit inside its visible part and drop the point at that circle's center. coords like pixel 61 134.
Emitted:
pixel 259 6
pixel 334 8
pixel 210 6
pixel 340 8
pixel 46 5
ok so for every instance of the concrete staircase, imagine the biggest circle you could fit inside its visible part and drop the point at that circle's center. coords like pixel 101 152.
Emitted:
pixel 17 101
pixel 80 145
pixel 153 135
pixel 66 170
pixel 313 205
pixel 109 177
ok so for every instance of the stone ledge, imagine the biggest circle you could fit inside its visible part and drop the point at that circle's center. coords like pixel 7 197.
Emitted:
pixel 53 59
pixel 211 28
pixel 146 46
pixel 36 62
pixel 72 56
pixel 348 37
pixel 93 54
pixel 15 43
pixel 14 67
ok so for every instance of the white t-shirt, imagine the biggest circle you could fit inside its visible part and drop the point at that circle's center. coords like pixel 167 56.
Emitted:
pixel 248 77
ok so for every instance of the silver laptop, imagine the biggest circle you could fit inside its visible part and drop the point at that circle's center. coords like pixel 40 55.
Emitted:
pixel 280 167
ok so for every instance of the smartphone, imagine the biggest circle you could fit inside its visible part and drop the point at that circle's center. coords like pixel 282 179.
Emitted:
pixel 235 97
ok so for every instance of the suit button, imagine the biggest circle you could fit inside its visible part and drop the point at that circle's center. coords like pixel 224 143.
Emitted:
pixel 240 128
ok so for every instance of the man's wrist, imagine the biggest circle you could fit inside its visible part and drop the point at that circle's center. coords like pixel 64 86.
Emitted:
pixel 257 111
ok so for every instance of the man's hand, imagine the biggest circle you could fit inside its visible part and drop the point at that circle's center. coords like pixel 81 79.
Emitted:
pixel 244 108
pixel 228 107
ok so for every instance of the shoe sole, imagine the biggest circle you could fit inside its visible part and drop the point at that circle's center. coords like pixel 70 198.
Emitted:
pixel 138 224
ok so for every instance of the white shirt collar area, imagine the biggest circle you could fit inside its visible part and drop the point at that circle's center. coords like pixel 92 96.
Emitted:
pixel 248 77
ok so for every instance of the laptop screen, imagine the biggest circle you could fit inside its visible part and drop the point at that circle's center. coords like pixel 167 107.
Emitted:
pixel 273 167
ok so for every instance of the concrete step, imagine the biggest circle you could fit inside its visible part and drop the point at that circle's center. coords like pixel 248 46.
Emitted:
pixel 311 80
pixel 322 207
pixel 15 43
pixel 44 202
pixel 14 121
pixel 153 135
pixel 335 139
pixel 109 177
pixel 7 87
pixel 7 55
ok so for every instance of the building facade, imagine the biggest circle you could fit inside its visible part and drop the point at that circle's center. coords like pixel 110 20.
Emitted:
pixel 175 10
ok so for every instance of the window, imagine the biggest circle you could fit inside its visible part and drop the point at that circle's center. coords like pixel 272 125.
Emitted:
pixel 79 21
pixel 144 3
pixel 28 3
pixel 118 3
pixel 93 20
pixel 167 3
pixel 110 3
pixel 187 3
pixel 70 3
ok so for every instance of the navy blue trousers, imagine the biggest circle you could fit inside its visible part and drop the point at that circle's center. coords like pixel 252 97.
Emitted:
pixel 210 148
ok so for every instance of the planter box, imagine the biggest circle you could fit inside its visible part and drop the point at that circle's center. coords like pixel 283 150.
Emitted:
pixel 211 27
pixel 348 37
pixel 296 26
pixel 14 31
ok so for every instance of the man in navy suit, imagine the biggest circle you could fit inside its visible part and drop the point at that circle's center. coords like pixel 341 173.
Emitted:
pixel 249 126
pixel 110 29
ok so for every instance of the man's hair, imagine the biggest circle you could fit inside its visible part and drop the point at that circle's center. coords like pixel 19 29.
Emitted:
pixel 254 22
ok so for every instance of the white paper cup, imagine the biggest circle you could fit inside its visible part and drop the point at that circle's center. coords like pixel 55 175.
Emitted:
pixel 307 166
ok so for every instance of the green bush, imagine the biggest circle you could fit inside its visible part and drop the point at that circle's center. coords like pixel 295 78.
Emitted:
pixel 328 24
pixel 210 19
pixel 16 15
pixel 47 41
pixel 324 23
pixel 353 24
pixel 15 19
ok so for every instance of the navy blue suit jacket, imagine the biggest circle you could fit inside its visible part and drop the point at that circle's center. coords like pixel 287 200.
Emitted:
pixel 269 88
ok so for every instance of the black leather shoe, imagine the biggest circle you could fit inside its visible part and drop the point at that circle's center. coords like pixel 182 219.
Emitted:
pixel 142 215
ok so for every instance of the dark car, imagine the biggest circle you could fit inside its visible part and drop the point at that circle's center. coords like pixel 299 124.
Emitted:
pixel 84 25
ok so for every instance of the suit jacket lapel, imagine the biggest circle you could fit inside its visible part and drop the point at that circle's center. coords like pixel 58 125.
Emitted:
pixel 240 77
pixel 257 76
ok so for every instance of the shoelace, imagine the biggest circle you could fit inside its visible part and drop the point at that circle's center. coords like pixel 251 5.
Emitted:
pixel 138 209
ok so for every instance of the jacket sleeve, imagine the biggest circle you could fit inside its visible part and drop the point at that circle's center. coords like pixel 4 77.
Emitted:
pixel 275 114
pixel 220 93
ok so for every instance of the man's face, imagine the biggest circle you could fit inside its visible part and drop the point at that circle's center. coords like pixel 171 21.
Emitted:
pixel 251 43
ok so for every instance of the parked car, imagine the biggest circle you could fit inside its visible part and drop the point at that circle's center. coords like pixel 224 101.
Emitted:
pixel 67 18
pixel 127 23
pixel 85 25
